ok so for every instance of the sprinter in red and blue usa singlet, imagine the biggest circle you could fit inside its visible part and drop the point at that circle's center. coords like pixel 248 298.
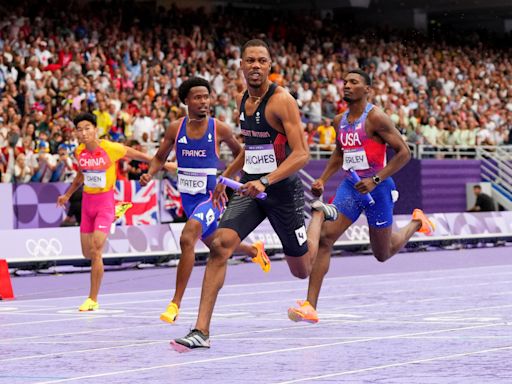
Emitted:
pixel 367 157
pixel 363 132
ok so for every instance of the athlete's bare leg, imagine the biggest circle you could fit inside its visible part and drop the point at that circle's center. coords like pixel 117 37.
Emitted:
pixel 331 231
pixel 223 245
pixel 385 243
pixel 302 266
pixel 92 248
pixel 189 237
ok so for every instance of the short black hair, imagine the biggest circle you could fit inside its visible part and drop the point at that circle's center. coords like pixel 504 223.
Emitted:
pixel 192 82
pixel 255 43
pixel 477 186
pixel 363 74
pixel 91 118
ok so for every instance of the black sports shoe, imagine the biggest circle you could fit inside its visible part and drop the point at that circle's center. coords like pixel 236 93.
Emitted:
pixel 329 210
pixel 195 339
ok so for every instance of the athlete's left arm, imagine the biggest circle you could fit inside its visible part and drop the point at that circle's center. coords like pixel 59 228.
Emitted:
pixel 284 107
pixel 141 156
pixel 382 127
pixel 386 130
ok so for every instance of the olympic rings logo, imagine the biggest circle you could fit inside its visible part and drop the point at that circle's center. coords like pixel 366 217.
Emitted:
pixel 356 232
pixel 43 247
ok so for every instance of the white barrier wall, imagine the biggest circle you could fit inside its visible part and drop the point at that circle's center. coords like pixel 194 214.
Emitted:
pixel 46 244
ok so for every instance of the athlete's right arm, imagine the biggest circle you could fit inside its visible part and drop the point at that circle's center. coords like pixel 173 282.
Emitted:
pixel 162 154
pixel 77 182
pixel 333 165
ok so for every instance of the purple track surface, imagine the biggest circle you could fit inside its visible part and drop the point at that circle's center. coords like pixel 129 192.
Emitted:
pixel 426 317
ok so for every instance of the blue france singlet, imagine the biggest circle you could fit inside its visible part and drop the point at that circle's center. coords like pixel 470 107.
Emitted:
pixel 197 161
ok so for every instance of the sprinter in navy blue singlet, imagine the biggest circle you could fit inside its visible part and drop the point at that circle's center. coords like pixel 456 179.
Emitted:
pixel 197 138
pixel 275 150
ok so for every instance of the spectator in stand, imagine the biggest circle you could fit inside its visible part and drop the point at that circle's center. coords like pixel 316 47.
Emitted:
pixel 484 202
pixel 143 127
pixel 22 171
pixel 508 129
pixel 8 157
pixel 103 118
pixel 327 135
pixel 135 167
pixel 64 170
pixel 45 164
pixel 51 69
pixel 225 109
pixel 430 133
pixel 416 137
pixel 311 134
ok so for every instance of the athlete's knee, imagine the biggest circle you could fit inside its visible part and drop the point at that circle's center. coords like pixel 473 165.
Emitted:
pixel 96 248
pixel 326 241
pixel 221 248
pixel 382 254
pixel 300 267
pixel 300 273
pixel 187 241
pixel 87 255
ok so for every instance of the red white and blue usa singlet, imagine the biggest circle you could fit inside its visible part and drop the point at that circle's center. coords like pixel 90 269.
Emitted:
pixel 361 153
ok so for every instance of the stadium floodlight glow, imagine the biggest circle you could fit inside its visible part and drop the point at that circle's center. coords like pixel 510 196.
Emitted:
pixel 360 3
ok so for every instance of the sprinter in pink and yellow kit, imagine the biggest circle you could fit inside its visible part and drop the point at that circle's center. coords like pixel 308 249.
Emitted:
pixel 97 171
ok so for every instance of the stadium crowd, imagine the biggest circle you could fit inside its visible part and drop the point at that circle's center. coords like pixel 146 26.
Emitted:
pixel 125 65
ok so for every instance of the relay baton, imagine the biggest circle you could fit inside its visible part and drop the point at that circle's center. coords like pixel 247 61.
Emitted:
pixel 236 186
pixel 356 178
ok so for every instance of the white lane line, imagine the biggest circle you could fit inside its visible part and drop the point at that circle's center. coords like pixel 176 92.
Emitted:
pixel 271 352
pixel 40 356
pixel 101 311
pixel 82 332
pixel 309 338
pixel 32 337
pixel 165 341
pixel 456 311
pixel 490 337
pixel 285 319
pixel 93 341
pixel 156 325
pixel 274 292
pixel 54 321
pixel 98 314
pixel 358 277
pixel 419 361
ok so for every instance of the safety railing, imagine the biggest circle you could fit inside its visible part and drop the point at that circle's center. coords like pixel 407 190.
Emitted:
pixel 422 151
pixel 496 167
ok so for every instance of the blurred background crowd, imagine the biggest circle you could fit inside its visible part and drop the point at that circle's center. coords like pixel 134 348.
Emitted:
pixel 125 65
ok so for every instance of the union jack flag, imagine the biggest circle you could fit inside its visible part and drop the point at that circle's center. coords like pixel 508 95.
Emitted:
pixel 172 205
pixel 144 199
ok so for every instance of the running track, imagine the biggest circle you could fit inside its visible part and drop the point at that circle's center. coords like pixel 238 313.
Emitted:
pixel 425 317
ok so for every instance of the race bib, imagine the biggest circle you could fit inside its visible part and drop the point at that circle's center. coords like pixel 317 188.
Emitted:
pixel 95 179
pixel 355 159
pixel 260 159
pixel 192 182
